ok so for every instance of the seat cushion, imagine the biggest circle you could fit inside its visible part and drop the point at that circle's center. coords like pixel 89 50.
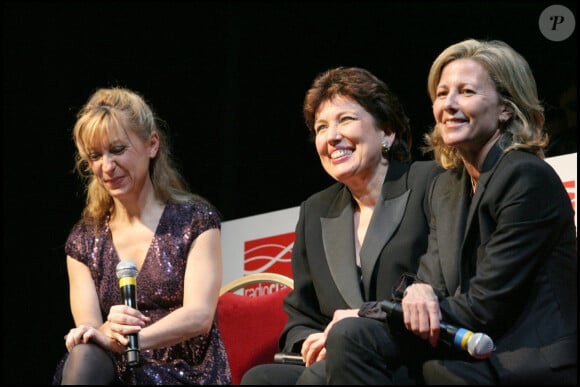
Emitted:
pixel 250 328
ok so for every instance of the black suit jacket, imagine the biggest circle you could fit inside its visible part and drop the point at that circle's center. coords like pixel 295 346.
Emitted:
pixel 505 262
pixel 323 256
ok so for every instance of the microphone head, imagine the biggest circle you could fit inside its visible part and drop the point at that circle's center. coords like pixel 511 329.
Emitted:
pixel 126 269
pixel 480 346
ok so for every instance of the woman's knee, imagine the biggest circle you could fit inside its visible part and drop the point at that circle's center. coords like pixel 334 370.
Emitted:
pixel 88 363
pixel 344 328
pixel 354 329
pixel 313 375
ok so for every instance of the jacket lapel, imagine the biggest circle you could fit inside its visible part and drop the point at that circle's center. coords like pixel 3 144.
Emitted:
pixel 489 165
pixel 338 241
pixel 387 216
pixel 453 204
pixel 471 235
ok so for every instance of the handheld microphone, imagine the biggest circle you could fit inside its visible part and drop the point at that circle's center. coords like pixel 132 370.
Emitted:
pixel 479 345
pixel 288 358
pixel 127 273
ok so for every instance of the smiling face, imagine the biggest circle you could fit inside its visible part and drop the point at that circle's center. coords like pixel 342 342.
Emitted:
pixel 348 141
pixel 120 161
pixel 467 108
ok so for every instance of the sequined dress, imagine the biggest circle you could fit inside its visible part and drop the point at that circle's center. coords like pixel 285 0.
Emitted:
pixel 199 360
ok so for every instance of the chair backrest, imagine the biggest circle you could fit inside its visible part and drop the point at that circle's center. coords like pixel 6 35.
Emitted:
pixel 250 325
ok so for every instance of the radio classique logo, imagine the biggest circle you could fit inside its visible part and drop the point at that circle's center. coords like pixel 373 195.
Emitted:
pixel 271 254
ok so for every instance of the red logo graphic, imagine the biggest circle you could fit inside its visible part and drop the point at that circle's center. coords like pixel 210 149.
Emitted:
pixel 571 188
pixel 271 254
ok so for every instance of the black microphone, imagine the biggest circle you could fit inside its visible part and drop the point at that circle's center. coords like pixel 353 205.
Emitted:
pixel 479 345
pixel 127 273
pixel 288 358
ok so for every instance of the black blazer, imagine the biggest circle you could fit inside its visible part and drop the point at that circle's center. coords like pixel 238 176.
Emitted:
pixel 505 262
pixel 323 256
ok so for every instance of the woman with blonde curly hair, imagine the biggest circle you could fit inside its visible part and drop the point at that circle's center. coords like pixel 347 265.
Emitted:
pixel 139 211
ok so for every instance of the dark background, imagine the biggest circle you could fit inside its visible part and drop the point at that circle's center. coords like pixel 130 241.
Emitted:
pixel 229 79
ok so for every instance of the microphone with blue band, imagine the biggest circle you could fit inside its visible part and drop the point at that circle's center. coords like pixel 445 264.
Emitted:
pixel 478 345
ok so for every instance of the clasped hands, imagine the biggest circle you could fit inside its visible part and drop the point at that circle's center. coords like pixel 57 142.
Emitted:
pixel 122 320
pixel 313 348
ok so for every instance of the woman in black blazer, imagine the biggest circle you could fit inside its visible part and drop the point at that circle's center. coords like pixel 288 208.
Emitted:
pixel 355 238
pixel 502 255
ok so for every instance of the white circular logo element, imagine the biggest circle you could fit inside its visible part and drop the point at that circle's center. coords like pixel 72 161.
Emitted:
pixel 557 23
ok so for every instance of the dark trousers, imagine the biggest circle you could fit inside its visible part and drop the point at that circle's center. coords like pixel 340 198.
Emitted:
pixel 359 351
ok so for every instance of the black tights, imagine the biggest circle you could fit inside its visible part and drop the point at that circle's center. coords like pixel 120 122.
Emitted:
pixel 88 364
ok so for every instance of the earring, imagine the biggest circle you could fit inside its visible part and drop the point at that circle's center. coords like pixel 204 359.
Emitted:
pixel 385 148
